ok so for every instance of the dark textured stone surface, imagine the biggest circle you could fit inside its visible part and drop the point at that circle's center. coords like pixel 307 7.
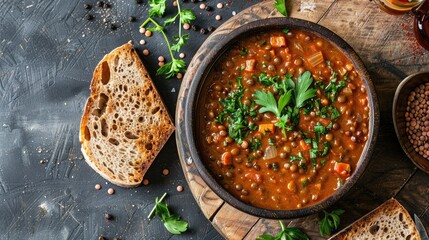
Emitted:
pixel 48 51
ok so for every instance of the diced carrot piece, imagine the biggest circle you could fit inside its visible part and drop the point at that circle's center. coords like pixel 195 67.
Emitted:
pixel 227 158
pixel 304 146
pixel 272 52
pixel 279 41
pixel 256 177
pixel 250 65
pixel 266 127
pixel 342 169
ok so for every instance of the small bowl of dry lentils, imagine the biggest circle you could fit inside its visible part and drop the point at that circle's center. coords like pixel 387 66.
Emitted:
pixel 411 118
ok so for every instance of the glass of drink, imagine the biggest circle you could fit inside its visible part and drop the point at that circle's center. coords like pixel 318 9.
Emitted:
pixel 421 24
pixel 398 7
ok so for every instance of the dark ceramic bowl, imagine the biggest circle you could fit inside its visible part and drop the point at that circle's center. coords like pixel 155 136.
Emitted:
pixel 398 112
pixel 198 90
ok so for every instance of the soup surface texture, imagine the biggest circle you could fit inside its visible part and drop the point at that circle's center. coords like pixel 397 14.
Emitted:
pixel 284 119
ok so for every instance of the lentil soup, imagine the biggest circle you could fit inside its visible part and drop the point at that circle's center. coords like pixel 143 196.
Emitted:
pixel 284 119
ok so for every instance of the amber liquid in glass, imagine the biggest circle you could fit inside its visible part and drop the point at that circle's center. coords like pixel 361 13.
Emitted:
pixel 421 24
pixel 398 6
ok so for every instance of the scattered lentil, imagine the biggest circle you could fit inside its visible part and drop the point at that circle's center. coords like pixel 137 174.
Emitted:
pixel 193 1
pixel 101 238
pixel 417 122
pixel 186 26
pixel 148 33
pixel 165 172
pixel 161 64
pixel 182 55
pixel 161 58
pixel 111 191
pixel 145 181
pixel 142 42
pixel 219 5
pixel 218 17
pixel 179 188
pixel 97 186
pixel 202 6
pixel 146 52
pixel 179 76
pixel 175 3
pixel 142 30
pixel 107 216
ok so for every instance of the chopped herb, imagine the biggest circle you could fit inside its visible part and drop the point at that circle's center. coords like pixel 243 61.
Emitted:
pixel 333 88
pixel 296 158
pixel 304 183
pixel 244 51
pixel 323 162
pixel 285 31
pixel 255 144
pixel 250 159
pixel 303 165
pixel 263 43
pixel 319 129
pixel 271 141
pixel 330 222
pixel 264 65
pixel 313 163
pixel 334 113
pixel 326 148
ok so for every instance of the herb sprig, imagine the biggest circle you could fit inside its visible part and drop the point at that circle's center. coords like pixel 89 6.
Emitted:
pixel 157 9
pixel 291 233
pixel 172 222
pixel 330 222
pixel 280 5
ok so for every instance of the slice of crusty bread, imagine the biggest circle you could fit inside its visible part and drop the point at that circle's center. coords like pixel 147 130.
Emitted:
pixel 389 221
pixel 125 123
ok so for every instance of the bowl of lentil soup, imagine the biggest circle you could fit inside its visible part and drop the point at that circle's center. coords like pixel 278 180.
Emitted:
pixel 281 118
pixel 411 118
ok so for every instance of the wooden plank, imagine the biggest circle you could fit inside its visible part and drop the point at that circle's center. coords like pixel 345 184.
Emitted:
pixel 415 195
pixel 232 223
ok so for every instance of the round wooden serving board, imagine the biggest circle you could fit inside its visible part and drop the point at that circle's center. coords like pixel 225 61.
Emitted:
pixel 230 222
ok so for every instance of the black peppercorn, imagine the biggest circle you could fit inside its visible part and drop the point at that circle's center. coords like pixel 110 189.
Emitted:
pixel 132 19
pixel 89 17
pixel 203 31
pixel 106 5
pixel 194 28
pixel 113 26
pixel 86 6
pixel 210 28
pixel 100 3
pixel 101 238
pixel 139 1
pixel 208 8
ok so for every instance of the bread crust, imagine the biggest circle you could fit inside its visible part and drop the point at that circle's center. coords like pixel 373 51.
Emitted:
pixel 125 123
pixel 373 224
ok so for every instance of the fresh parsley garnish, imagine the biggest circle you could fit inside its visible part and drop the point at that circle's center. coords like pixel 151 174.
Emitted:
pixel 157 9
pixel 280 5
pixel 172 222
pixel 330 222
pixel 303 92
pixel 244 51
pixel 285 31
pixel 287 233
pixel 333 88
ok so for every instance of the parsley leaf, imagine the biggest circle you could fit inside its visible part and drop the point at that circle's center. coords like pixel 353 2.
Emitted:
pixel 180 41
pixel 244 51
pixel 157 8
pixel 172 222
pixel 172 68
pixel 280 5
pixel 303 91
pixel 186 16
pixel 330 222
pixel 267 101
